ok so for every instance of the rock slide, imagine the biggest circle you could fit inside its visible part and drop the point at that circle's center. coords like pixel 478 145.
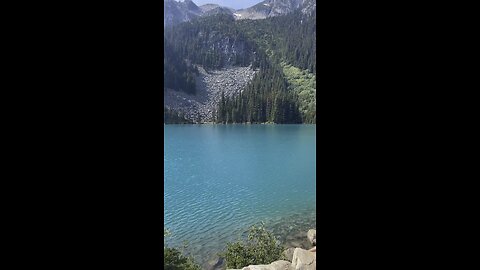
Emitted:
pixel 201 107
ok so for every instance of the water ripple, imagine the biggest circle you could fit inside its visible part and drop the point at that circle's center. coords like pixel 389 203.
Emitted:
pixel 220 180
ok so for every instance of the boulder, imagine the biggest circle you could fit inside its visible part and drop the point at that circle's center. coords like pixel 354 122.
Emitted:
pixel 281 265
pixel 304 260
pixel 276 265
pixel 312 236
pixel 288 253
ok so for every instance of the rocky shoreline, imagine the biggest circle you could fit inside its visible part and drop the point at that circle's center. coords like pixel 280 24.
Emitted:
pixel 301 260
pixel 295 258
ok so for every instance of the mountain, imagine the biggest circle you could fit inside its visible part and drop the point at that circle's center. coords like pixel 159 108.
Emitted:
pixel 177 12
pixel 218 69
pixel 218 10
pixel 268 8
pixel 271 8
pixel 210 7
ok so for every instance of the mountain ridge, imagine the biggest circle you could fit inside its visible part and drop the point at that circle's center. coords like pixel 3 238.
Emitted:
pixel 177 12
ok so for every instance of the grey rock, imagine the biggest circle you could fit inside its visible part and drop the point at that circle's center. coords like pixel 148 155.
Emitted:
pixel 304 260
pixel 210 86
pixel 288 253
pixel 281 265
pixel 276 265
pixel 312 235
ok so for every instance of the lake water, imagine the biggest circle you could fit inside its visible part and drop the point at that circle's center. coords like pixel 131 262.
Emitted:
pixel 220 179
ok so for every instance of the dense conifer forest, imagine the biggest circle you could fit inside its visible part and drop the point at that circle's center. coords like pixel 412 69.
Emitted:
pixel 180 76
pixel 281 48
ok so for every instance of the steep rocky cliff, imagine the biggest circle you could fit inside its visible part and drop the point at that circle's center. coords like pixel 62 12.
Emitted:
pixel 175 12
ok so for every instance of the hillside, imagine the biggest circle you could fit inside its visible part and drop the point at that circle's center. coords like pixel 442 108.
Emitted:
pixel 242 71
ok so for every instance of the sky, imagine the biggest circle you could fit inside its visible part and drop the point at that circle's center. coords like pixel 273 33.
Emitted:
pixel 236 4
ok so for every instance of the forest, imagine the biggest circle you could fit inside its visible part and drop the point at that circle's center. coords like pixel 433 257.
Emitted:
pixel 281 48
pixel 174 117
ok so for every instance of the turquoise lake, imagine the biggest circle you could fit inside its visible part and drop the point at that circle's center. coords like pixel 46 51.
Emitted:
pixel 220 179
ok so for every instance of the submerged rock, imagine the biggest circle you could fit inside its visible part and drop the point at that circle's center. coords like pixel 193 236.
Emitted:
pixel 216 264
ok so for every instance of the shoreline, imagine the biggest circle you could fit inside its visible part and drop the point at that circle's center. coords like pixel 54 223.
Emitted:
pixel 289 252
pixel 290 230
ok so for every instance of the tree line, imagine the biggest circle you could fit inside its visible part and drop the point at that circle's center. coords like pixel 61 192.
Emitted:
pixel 174 117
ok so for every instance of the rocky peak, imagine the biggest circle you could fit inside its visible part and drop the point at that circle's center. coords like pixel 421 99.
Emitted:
pixel 309 6
pixel 186 10
pixel 217 10
pixel 191 6
pixel 176 12
pixel 208 7
pixel 270 8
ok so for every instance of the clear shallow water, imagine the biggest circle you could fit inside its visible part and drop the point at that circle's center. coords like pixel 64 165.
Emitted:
pixel 220 179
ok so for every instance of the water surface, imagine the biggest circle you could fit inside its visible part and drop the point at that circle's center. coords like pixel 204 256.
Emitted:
pixel 220 179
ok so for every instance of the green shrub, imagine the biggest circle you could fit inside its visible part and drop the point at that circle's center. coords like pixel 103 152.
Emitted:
pixel 260 248
pixel 173 259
